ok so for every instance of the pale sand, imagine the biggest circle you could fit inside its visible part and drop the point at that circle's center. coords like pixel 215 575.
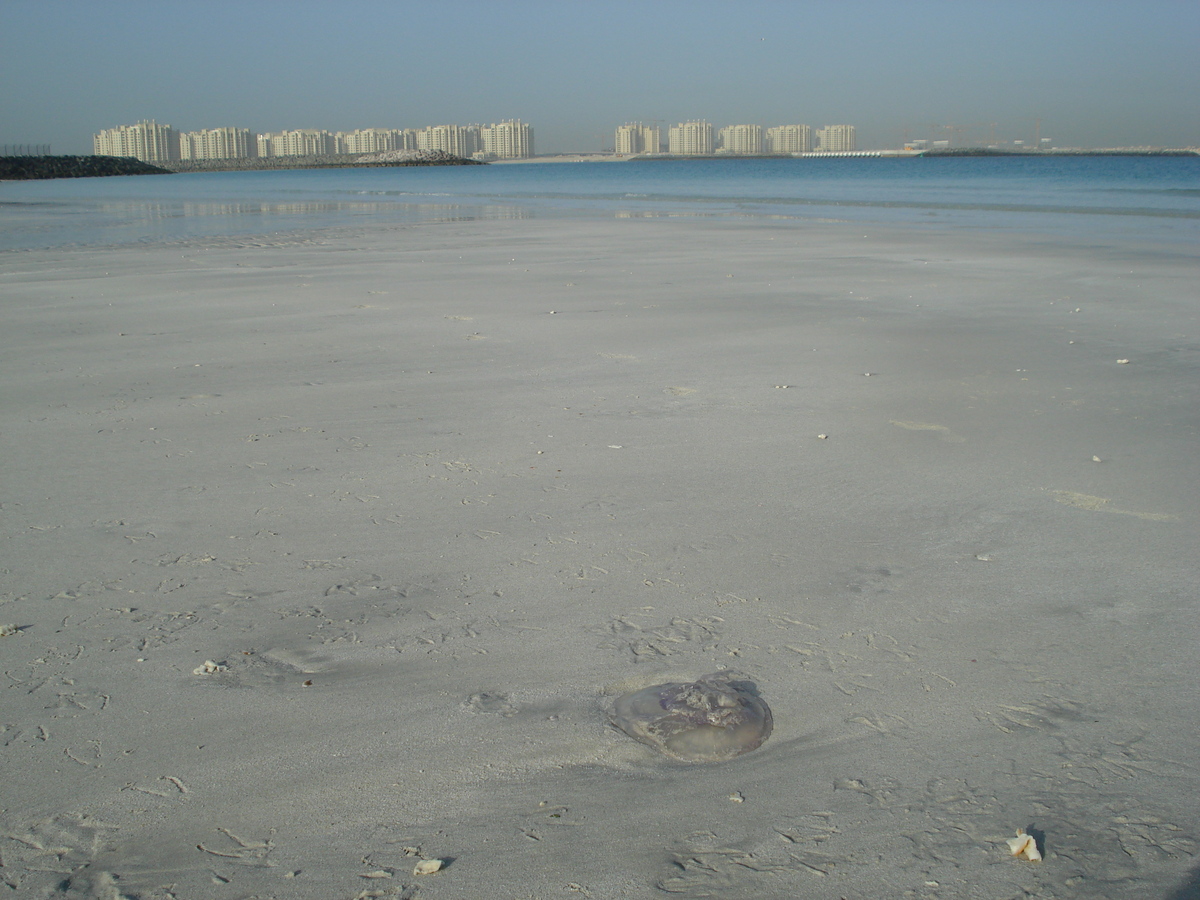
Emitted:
pixel 436 495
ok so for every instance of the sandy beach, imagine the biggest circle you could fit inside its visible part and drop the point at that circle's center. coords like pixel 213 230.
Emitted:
pixel 429 499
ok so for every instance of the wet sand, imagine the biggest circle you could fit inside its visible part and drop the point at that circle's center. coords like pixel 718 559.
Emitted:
pixel 430 498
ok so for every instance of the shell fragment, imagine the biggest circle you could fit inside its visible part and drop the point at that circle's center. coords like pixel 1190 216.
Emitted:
pixel 1024 846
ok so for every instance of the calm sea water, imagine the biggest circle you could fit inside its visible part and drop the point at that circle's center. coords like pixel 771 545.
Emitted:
pixel 1135 198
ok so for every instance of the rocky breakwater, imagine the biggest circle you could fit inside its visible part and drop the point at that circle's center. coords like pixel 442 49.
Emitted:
pixel 340 161
pixel 21 168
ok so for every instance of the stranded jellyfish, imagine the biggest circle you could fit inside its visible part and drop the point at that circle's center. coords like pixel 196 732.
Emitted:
pixel 714 718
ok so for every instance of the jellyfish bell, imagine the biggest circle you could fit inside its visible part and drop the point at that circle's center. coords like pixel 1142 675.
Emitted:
pixel 713 718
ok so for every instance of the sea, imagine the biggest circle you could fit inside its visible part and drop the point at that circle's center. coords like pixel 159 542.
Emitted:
pixel 1124 198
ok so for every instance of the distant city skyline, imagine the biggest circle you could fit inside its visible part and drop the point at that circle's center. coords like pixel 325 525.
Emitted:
pixel 152 141
pixel 1085 73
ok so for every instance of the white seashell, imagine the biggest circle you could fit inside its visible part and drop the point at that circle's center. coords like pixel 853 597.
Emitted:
pixel 210 668
pixel 6 630
pixel 1023 846
pixel 427 867
pixel 1121 362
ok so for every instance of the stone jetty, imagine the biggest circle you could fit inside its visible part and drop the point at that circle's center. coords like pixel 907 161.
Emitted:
pixel 21 168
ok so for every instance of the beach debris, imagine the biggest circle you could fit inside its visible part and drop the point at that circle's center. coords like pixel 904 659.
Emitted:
pixel 1101 504
pixel 6 630
pixel 428 866
pixel 1122 362
pixel 1024 846
pixel 210 668
pixel 714 718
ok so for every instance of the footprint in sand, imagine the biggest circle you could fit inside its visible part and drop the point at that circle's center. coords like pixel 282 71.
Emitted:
pixel 943 432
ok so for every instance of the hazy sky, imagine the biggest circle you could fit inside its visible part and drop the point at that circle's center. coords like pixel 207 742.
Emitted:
pixel 1096 72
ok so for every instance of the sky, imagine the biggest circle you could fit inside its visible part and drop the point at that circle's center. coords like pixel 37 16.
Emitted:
pixel 1084 73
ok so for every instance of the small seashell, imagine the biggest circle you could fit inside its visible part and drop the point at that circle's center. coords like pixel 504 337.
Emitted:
pixel 6 630
pixel 1121 362
pixel 1023 846
pixel 1096 459
pixel 823 436
pixel 427 867
pixel 209 668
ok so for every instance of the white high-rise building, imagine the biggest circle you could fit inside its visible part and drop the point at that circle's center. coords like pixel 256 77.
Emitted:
pixel 458 140
pixel 217 143
pixel 634 137
pixel 691 139
pixel 510 139
pixel 376 140
pixel 741 139
pixel 789 139
pixel 302 142
pixel 836 139
pixel 147 141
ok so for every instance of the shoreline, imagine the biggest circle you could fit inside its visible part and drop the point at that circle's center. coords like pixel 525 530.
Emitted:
pixel 855 154
pixel 29 168
pixel 51 167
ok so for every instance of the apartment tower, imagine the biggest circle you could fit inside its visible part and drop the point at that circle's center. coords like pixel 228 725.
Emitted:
pixel 836 139
pixel 741 139
pixel 510 139
pixel 789 139
pixel 634 137
pixel 147 141
pixel 457 140
pixel 218 143
pixel 691 139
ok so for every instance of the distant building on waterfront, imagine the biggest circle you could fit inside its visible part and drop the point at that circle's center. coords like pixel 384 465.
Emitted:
pixel 459 140
pixel 376 140
pixel 789 139
pixel 218 143
pixel 634 137
pixel 691 139
pixel 301 142
pixel 510 139
pixel 147 141
pixel 836 139
pixel 740 139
